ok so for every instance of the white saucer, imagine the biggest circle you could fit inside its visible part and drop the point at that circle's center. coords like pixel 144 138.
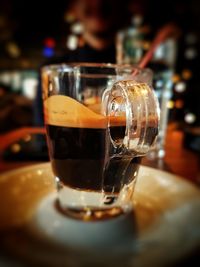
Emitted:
pixel 164 227
pixel 49 223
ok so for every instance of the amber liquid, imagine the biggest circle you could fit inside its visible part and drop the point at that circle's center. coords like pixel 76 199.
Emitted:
pixel 82 158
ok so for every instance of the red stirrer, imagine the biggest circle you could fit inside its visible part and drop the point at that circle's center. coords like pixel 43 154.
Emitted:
pixel 165 32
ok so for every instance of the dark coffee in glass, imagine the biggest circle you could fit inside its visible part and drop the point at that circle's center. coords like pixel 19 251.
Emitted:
pixel 97 135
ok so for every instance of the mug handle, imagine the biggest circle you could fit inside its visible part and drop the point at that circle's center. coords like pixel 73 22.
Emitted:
pixel 135 106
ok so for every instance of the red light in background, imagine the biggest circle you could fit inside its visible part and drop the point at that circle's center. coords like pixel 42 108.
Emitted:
pixel 49 42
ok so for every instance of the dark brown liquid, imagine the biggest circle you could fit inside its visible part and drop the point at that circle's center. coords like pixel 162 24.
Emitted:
pixel 81 159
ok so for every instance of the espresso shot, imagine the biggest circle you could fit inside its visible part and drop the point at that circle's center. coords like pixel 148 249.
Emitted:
pixel 100 122
pixel 81 160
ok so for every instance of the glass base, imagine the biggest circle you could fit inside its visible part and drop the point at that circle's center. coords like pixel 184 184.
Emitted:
pixel 93 205
pixel 89 213
pixel 51 225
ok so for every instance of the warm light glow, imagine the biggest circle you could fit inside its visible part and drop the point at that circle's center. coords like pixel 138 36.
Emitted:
pixel 176 78
pixel 180 87
pixel 137 20
pixel 72 42
pixel 191 53
pixel 39 172
pixel 190 118
pixel 69 16
pixel 186 74
pixel 29 87
pixel 13 49
pixel 179 103
pixel 146 45
pixel 27 138
pixel 77 28
pixel 15 148
pixel 170 104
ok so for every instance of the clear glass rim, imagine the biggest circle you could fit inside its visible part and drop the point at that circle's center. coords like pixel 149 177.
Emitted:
pixel 71 65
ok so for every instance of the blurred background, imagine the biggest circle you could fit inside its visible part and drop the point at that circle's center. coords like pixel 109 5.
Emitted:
pixel 33 34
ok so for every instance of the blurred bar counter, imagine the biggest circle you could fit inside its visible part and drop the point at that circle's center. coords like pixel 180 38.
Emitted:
pixel 178 159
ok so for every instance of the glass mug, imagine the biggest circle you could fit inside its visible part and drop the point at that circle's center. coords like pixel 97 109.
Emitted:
pixel 100 119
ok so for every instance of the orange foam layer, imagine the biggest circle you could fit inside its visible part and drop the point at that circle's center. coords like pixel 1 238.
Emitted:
pixel 117 121
pixel 65 111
